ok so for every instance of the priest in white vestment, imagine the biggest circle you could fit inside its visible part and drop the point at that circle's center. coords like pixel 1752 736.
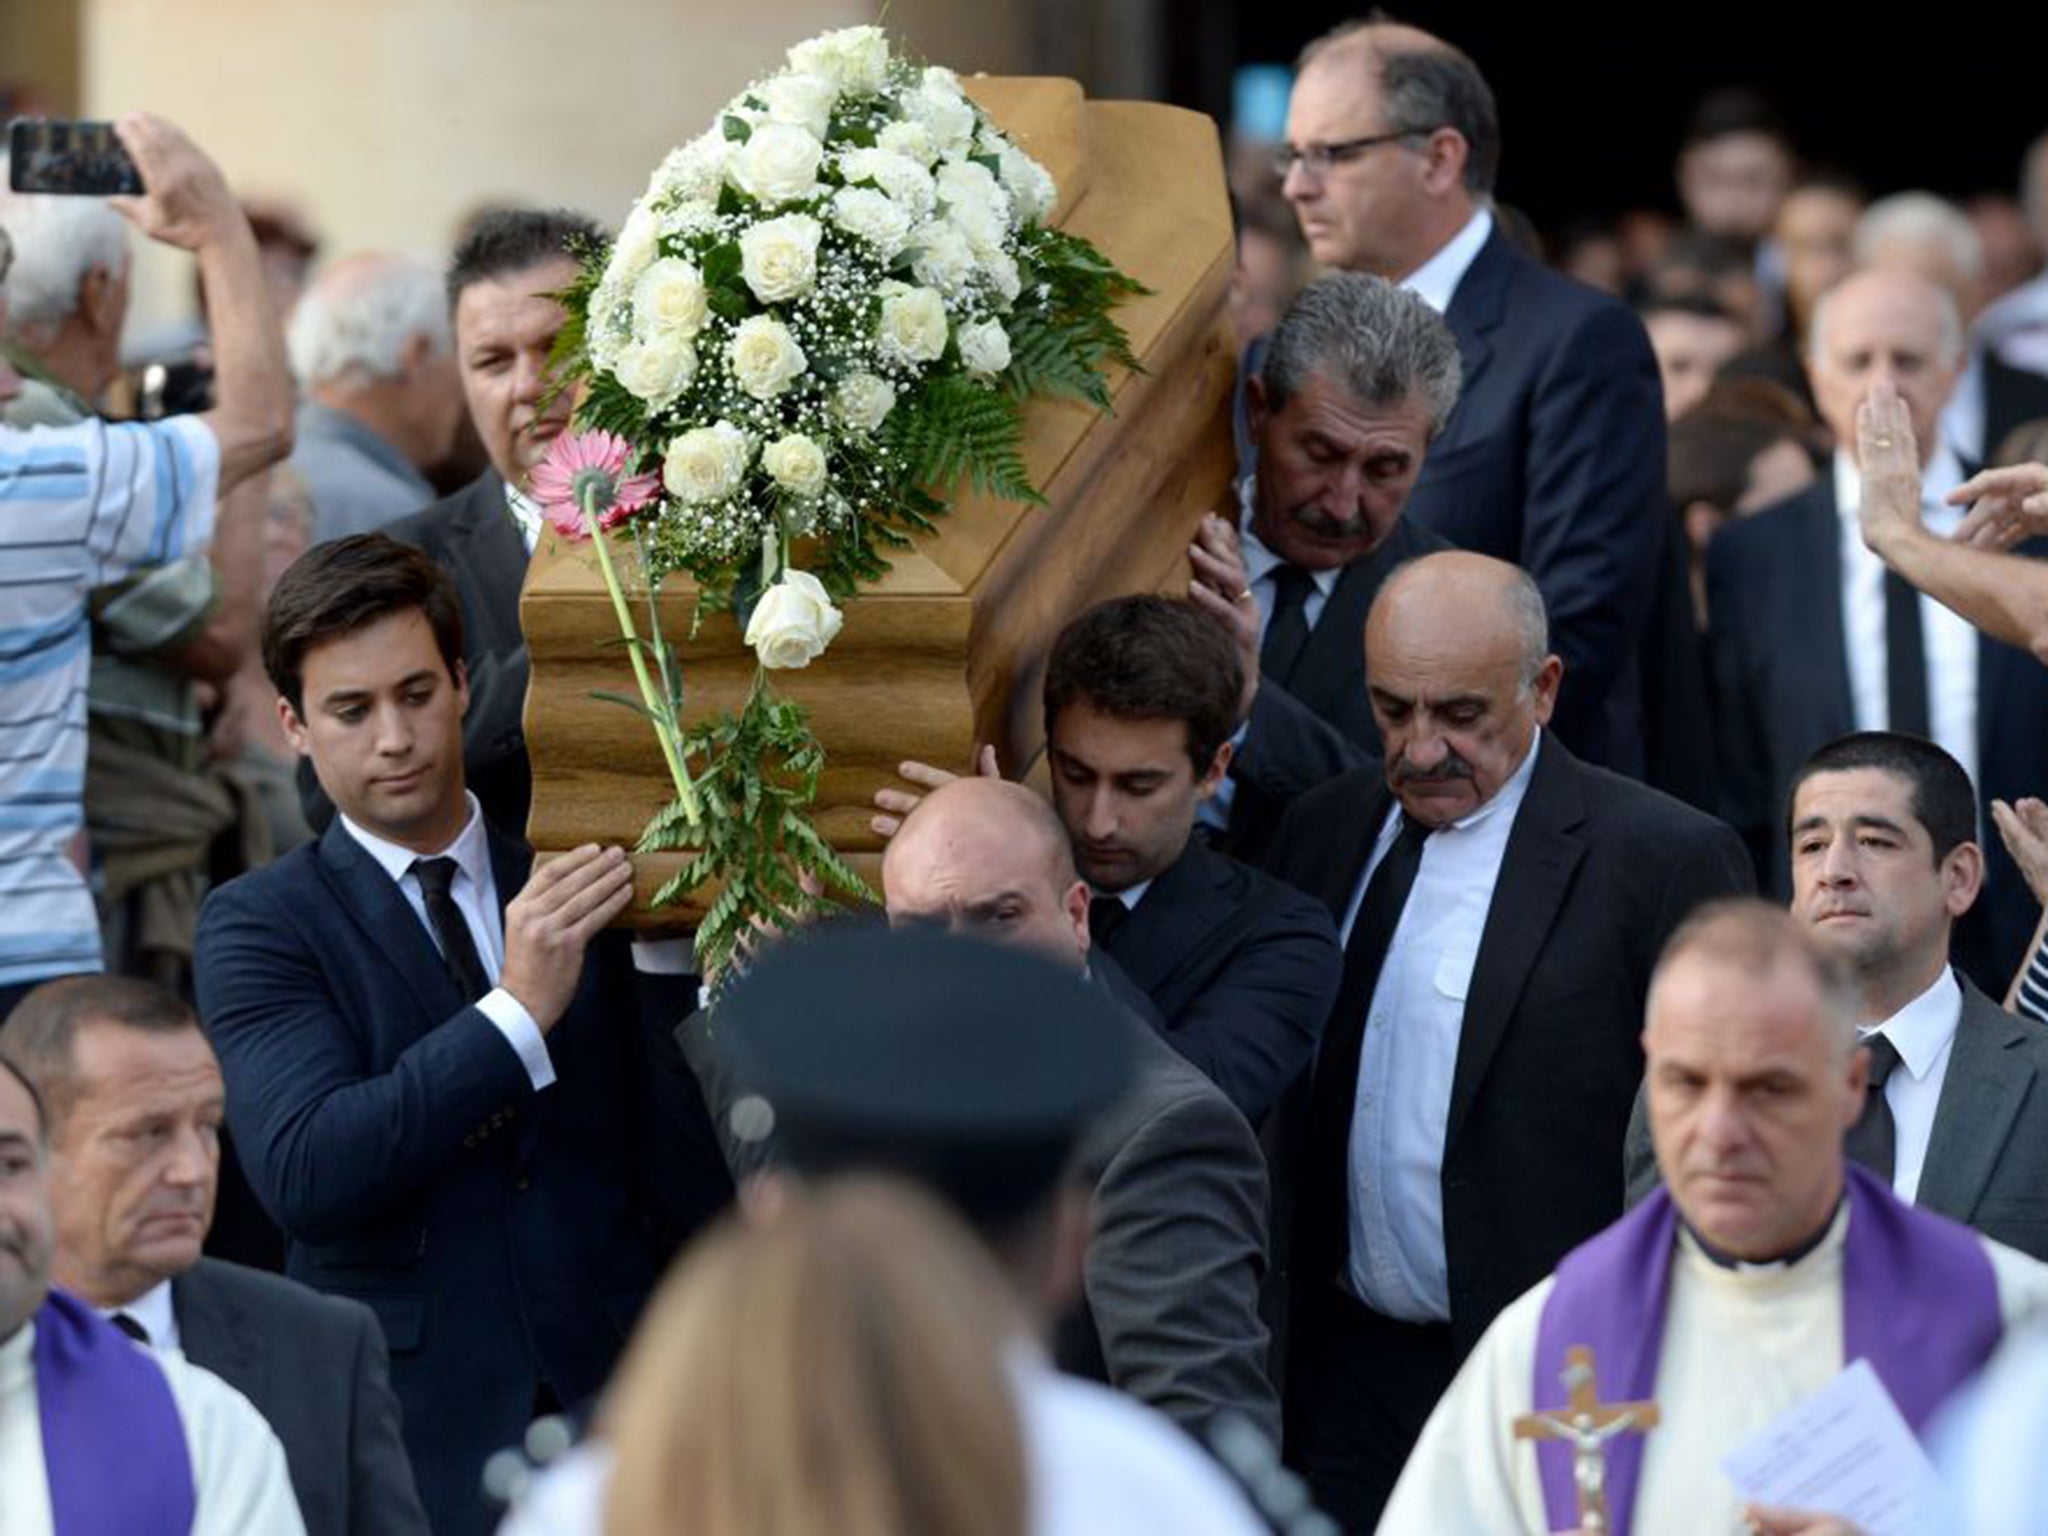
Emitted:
pixel 1764 1272
pixel 98 1435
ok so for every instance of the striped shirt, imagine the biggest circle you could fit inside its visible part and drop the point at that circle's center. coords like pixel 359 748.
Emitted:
pixel 79 507
pixel 2031 1000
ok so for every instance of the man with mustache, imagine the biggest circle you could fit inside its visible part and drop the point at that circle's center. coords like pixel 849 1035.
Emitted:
pixel 1355 383
pixel 1502 905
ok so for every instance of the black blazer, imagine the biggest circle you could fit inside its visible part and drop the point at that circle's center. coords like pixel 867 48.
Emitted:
pixel 1779 673
pixel 1598 871
pixel 1241 968
pixel 316 1369
pixel 503 1237
pixel 1989 1142
pixel 1320 724
pixel 1554 460
pixel 473 537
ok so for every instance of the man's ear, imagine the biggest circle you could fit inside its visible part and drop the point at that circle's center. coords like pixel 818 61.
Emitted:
pixel 1962 877
pixel 1443 161
pixel 1218 767
pixel 1256 409
pixel 1075 903
pixel 294 727
pixel 1548 676
pixel 461 676
pixel 99 300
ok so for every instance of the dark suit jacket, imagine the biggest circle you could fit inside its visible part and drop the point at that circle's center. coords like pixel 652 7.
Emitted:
pixel 1779 670
pixel 1320 724
pixel 1598 871
pixel 503 1237
pixel 1554 459
pixel 316 1369
pixel 1241 968
pixel 473 537
pixel 1989 1144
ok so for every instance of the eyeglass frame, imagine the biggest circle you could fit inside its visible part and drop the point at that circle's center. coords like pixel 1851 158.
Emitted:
pixel 1317 159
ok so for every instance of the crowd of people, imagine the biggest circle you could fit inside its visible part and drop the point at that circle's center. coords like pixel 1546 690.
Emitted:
pixel 1375 1007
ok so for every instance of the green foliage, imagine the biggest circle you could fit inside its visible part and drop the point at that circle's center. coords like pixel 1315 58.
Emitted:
pixel 760 774
pixel 953 426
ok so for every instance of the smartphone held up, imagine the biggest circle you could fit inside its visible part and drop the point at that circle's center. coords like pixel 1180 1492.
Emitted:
pixel 69 158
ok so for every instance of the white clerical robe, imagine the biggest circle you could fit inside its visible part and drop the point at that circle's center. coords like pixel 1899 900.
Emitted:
pixel 1741 1346
pixel 238 1469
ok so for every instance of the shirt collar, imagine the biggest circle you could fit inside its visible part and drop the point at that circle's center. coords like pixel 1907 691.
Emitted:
pixel 1437 279
pixel 153 1310
pixel 526 513
pixel 1922 1029
pixel 1130 895
pixel 1259 560
pixel 1943 474
pixel 471 849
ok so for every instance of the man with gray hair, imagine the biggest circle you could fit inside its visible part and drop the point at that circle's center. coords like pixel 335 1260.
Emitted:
pixel 374 355
pixel 1502 905
pixel 1352 387
pixel 1809 637
pixel 67 296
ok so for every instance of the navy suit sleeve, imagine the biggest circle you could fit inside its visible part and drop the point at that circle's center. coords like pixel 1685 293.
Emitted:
pixel 383 1500
pixel 1593 523
pixel 329 1145
pixel 1288 749
pixel 687 1179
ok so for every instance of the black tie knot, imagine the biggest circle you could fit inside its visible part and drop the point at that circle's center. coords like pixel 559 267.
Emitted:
pixel 1106 914
pixel 1884 1057
pixel 451 928
pixel 436 877
pixel 131 1327
pixel 1287 625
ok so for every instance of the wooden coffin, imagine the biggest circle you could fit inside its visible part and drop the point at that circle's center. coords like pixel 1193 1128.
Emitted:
pixel 949 649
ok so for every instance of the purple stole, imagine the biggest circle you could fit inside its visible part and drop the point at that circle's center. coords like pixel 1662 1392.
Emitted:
pixel 113 1443
pixel 1919 1302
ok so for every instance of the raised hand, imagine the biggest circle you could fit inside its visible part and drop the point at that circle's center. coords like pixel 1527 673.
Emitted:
pixel 2011 505
pixel 895 804
pixel 2024 826
pixel 1221 589
pixel 185 201
pixel 1889 508
pixel 550 923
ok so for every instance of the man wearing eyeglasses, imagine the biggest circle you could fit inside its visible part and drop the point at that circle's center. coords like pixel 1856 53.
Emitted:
pixel 1554 456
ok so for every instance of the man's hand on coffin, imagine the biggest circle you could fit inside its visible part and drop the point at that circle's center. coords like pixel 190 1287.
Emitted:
pixel 564 905
pixel 1221 590
pixel 899 803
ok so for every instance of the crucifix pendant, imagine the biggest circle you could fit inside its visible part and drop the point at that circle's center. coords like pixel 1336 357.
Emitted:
pixel 1587 1424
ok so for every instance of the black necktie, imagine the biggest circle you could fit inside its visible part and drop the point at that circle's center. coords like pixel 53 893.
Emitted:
pixel 1287 626
pixel 1326 1171
pixel 458 944
pixel 1905 658
pixel 132 1328
pixel 1873 1140
pixel 1106 914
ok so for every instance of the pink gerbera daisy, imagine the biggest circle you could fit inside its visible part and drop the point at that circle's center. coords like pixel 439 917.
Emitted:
pixel 589 468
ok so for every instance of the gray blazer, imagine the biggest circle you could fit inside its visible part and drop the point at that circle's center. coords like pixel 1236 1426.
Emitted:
pixel 1987 1156
pixel 315 1368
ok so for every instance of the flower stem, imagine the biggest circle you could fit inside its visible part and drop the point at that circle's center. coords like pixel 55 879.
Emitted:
pixel 657 709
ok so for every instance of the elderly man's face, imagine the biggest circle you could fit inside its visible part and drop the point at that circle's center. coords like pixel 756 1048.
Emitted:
pixel 1749 1096
pixel 981 879
pixel 1360 214
pixel 1334 472
pixel 504 329
pixel 1882 325
pixel 24 1209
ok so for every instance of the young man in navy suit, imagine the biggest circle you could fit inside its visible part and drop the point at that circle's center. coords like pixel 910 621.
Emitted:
pixel 458 1100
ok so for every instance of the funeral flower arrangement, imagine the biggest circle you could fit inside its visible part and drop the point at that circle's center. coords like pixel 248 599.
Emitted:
pixel 824 314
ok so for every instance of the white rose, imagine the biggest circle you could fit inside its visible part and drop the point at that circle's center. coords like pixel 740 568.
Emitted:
pixel 693 172
pixel 706 464
pixel 984 348
pixel 778 164
pixel 853 58
pixel 669 297
pixel 910 140
pixel 977 204
pixel 863 400
pixel 635 248
pixel 938 80
pixel 872 216
pixel 948 119
pixel 944 258
pixel 779 257
pixel 657 368
pixel 793 622
pixel 1030 185
pixel 1001 271
pixel 803 100
pixel 795 463
pixel 913 326
pixel 765 358
pixel 907 182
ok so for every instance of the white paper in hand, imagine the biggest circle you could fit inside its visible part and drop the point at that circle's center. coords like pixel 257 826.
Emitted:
pixel 1845 1451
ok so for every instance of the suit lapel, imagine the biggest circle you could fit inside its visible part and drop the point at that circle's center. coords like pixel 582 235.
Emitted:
pixel 393 929
pixel 1475 310
pixel 1183 907
pixel 1981 1095
pixel 212 1331
pixel 1822 553
pixel 1542 853
pixel 1347 844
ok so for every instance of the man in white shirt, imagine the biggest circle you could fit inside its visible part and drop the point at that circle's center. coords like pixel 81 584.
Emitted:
pixel 1884 860
pixel 1766 1269
pixel 95 1434
pixel 1810 638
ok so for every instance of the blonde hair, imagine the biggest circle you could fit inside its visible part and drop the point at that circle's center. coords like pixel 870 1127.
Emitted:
pixel 837 1367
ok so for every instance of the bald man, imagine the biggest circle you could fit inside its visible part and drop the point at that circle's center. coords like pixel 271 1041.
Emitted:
pixel 375 359
pixel 1177 1252
pixel 1809 639
pixel 1502 905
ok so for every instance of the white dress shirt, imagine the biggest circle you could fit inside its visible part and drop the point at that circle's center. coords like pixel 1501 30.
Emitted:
pixel 1950 641
pixel 1924 1034
pixel 475 893
pixel 1437 279
pixel 526 513
pixel 153 1311
pixel 1410 1055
